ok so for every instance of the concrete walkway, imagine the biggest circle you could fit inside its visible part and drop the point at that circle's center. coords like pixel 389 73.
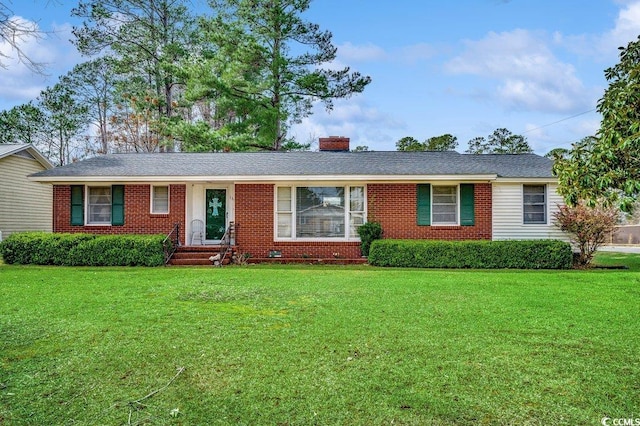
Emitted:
pixel 621 249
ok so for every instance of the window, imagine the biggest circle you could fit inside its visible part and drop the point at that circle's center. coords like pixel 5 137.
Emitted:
pixel 356 210
pixel 104 205
pixel 159 199
pixel 284 212
pixel 319 212
pixel 99 205
pixel 534 204
pixel 444 203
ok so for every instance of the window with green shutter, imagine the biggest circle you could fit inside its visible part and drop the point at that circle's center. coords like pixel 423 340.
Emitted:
pixel 423 203
pixel 77 205
pixel 117 205
pixel 467 208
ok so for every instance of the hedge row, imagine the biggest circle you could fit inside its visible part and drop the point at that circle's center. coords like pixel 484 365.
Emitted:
pixel 42 248
pixel 534 254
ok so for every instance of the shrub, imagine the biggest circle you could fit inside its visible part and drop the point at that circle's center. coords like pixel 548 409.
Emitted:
pixel 533 254
pixel 119 250
pixel 369 232
pixel 588 228
pixel 42 248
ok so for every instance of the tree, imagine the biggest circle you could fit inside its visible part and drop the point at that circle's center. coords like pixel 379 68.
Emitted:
pixel 575 173
pixel 588 227
pixel 265 70
pixel 501 141
pixel 477 145
pixel 93 85
pixel 15 31
pixel 137 126
pixel 557 153
pixel 148 40
pixel 607 169
pixel 64 119
pixel 360 148
pixel 444 142
pixel 409 143
pixel 21 124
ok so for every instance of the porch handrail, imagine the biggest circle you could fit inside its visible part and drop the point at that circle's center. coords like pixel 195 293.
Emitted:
pixel 227 240
pixel 171 243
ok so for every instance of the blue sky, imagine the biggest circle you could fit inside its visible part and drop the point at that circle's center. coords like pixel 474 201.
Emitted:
pixel 466 67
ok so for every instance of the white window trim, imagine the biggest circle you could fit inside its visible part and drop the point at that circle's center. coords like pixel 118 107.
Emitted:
pixel 546 204
pixel 457 207
pixel 347 201
pixel 86 205
pixel 151 194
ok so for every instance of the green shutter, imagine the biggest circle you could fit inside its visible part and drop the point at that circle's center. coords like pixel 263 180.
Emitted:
pixel 467 208
pixel 117 205
pixel 423 204
pixel 77 205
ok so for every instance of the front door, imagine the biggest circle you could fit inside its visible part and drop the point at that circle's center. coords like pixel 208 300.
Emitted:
pixel 216 214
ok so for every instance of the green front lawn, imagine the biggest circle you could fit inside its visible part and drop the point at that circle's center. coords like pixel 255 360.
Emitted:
pixel 317 345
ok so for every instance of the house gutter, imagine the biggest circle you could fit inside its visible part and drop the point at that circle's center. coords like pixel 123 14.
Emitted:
pixel 265 179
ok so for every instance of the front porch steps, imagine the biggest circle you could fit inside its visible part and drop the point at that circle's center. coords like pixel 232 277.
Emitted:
pixel 307 260
pixel 198 255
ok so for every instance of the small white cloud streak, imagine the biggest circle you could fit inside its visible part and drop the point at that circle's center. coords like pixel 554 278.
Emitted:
pixel 350 53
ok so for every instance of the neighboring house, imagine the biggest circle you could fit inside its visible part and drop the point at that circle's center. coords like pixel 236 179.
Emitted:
pixel 308 203
pixel 25 205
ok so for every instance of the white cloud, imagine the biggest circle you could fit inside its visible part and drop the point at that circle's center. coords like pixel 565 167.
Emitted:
pixel 20 84
pixel 365 125
pixel 349 52
pixel 626 29
pixel 530 77
pixel 604 47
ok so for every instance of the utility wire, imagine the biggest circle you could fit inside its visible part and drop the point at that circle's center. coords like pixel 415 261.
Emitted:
pixel 559 121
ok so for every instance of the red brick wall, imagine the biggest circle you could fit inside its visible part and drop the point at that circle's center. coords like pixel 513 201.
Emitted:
pixel 254 229
pixel 137 217
pixel 394 206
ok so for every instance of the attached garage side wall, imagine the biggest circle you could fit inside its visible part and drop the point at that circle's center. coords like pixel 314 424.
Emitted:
pixel 508 214
pixel 24 205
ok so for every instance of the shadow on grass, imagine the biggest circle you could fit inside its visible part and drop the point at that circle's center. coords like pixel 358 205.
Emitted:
pixel 612 259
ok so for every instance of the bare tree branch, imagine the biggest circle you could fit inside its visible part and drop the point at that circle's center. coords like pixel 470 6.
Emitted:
pixel 15 32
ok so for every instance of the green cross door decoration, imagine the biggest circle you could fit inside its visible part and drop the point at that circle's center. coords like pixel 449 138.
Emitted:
pixel 216 213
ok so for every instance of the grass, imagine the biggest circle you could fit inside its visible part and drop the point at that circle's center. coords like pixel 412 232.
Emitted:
pixel 317 345
pixel 630 260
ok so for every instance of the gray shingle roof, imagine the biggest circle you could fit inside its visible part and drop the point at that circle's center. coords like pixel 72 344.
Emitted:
pixel 266 164
pixel 24 150
pixel 6 148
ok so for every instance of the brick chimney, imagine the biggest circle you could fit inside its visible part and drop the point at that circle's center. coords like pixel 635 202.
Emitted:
pixel 334 143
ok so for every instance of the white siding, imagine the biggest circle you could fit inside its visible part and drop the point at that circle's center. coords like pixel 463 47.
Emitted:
pixel 508 215
pixel 24 205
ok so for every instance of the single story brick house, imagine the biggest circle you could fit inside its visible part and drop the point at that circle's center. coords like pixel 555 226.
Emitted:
pixel 308 203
